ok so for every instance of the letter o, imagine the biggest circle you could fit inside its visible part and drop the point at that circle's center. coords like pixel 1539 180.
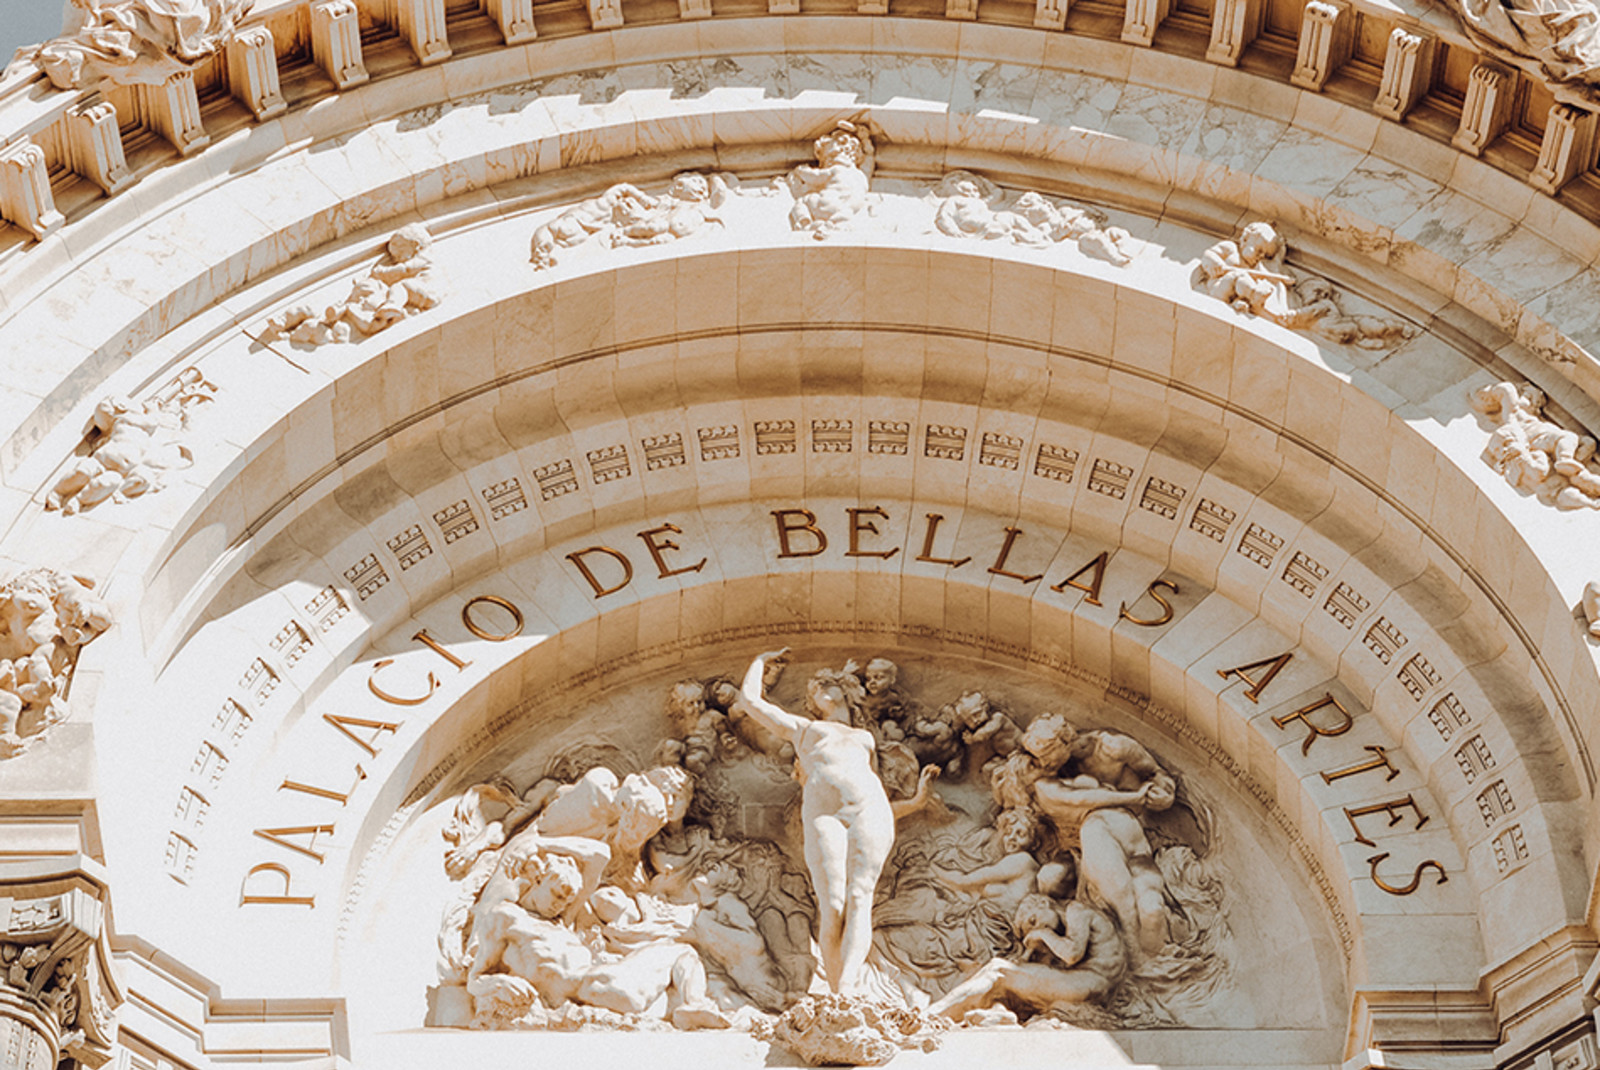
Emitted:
pixel 482 633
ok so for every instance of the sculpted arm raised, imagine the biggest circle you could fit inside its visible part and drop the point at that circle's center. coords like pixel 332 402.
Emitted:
pixel 770 716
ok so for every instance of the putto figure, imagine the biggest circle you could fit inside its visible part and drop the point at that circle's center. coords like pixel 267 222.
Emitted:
pixel 404 283
pixel 971 206
pixel 626 215
pixel 832 194
pixel 46 617
pixel 1249 274
pixel 133 42
pixel 1533 453
pixel 130 447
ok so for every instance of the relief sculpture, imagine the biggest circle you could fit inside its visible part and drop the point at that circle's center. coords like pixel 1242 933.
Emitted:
pixel 849 881
pixel 133 42
pixel 971 206
pixel 1561 38
pixel 1249 274
pixel 46 617
pixel 625 215
pixel 403 283
pixel 1533 453
pixel 128 448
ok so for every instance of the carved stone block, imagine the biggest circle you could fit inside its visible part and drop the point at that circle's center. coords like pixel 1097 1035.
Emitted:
pixel 1326 38
pixel 95 144
pixel 694 9
pixel 422 24
pixel 1567 149
pixel 961 9
pixel 783 7
pixel 605 14
pixel 1234 24
pixel 253 72
pixel 1050 14
pixel 25 197
pixel 173 110
pixel 1407 73
pixel 1487 108
pixel 58 996
pixel 1142 20
pixel 515 19
pixel 336 41
pixel 872 7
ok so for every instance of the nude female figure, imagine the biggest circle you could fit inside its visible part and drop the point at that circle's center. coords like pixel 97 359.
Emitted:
pixel 849 823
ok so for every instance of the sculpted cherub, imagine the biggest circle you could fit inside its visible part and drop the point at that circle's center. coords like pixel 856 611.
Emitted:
pixel 833 193
pixel 703 731
pixel 986 732
pixel 1083 953
pixel 402 284
pixel 1533 453
pixel 1249 273
pixel 130 448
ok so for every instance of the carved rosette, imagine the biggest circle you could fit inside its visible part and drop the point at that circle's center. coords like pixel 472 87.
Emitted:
pixel 58 998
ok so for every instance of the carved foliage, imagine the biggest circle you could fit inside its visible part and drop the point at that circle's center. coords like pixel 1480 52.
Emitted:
pixel 60 998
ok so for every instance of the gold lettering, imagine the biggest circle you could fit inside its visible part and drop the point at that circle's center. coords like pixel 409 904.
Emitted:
pixel 999 566
pixel 398 700
pixel 1093 588
pixel 1392 808
pixel 483 633
pixel 1303 715
pixel 370 744
pixel 283 871
pixel 857 526
pixel 1380 761
pixel 307 849
pixel 1253 693
pixel 600 589
pixel 324 793
pixel 1154 591
pixel 934 520
pixel 1416 876
pixel 785 528
pixel 433 644
pixel 656 548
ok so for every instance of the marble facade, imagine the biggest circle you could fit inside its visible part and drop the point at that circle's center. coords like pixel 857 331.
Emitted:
pixel 1161 435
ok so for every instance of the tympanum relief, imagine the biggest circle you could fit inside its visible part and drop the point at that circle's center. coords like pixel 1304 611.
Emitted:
pixel 404 282
pixel 878 868
pixel 1535 454
pixel 46 617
